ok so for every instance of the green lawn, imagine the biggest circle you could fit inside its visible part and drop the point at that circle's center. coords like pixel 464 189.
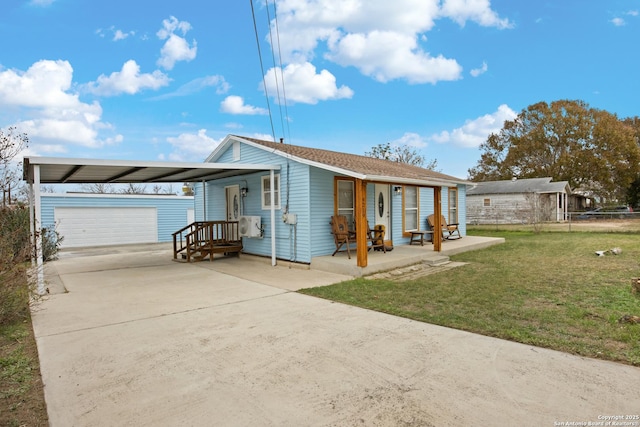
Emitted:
pixel 547 289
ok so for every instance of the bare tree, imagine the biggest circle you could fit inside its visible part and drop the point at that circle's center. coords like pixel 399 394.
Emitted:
pixel 401 154
pixel 162 189
pixel 97 188
pixel 133 188
pixel 11 144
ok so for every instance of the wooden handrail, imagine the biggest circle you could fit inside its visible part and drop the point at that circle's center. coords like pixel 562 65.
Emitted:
pixel 207 236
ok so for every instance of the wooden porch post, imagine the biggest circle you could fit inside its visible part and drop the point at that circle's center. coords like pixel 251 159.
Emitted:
pixel 437 223
pixel 360 216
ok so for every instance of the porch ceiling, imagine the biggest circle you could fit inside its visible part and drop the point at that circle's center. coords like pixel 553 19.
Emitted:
pixel 54 170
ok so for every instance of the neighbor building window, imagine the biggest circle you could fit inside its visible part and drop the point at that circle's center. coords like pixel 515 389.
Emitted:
pixel 266 191
pixel 487 203
pixel 453 206
pixel 411 212
pixel 345 200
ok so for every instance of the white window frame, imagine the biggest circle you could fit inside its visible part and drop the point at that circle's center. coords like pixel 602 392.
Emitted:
pixel 453 206
pixel 265 192
pixel 410 210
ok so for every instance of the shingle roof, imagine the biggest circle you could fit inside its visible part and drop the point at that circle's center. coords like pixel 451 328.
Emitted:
pixel 529 185
pixel 370 167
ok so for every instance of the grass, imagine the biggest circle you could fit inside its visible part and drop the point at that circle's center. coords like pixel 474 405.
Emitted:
pixel 21 395
pixel 547 289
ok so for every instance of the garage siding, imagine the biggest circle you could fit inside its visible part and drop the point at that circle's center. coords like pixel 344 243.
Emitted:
pixel 89 226
pixel 171 211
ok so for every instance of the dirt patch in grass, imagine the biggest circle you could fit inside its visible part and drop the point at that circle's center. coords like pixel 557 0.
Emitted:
pixel 21 395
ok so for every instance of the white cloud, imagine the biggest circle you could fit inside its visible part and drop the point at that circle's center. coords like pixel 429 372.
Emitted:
pixel 391 55
pixel 128 80
pixel 410 139
pixel 633 13
pixel 478 11
pixel 378 37
pixel 192 147
pixel 121 35
pixel 50 113
pixel 197 85
pixel 475 132
pixel 618 22
pixel 235 105
pixel 304 85
pixel 478 71
pixel 41 2
pixel 176 48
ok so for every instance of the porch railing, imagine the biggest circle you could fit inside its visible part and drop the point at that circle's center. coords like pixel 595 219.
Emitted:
pixel 200 239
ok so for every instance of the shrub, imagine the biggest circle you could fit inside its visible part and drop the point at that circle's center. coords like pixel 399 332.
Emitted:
pixel 14 252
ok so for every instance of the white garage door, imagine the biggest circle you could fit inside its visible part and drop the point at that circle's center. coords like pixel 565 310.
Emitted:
pixel 106 226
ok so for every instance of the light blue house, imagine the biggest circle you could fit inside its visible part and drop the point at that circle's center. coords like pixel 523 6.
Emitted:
pixel 114 219
pixel 311 186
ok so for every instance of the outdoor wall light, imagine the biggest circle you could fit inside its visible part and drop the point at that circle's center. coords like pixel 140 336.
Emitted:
pixel 397 190
pixel 244 191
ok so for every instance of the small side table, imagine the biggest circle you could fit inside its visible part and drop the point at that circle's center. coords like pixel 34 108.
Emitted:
pixel 417 236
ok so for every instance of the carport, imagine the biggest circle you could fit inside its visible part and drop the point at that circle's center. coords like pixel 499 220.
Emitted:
pixel 53 170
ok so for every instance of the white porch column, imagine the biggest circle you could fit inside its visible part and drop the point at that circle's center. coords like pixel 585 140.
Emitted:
pixel 272 178
pixel 204 200
pixel 37 229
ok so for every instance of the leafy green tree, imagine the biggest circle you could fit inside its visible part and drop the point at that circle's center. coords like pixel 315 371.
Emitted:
pixel 401 154
pixel 633 194
pixel 567 140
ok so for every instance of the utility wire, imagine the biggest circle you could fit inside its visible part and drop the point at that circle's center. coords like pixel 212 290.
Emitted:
pixel 255 29
pixel 284 92
pixel 277 69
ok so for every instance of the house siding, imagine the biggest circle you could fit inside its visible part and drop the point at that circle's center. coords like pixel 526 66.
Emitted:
pixel 504 209
pixel 309 193
pixel 172 210
pixel 293 242
pixel 321 204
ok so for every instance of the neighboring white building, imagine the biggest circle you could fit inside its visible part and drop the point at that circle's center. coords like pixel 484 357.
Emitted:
pixel 518 201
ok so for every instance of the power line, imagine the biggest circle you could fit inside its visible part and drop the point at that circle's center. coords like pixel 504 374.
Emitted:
pixel 284 92
pixel 275 65
pixel 255 29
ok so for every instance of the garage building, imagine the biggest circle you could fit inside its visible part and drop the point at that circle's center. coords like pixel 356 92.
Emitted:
pixel 115 219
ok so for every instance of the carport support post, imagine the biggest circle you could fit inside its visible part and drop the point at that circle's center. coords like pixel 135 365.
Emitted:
pixel 273 216
pixel 36 230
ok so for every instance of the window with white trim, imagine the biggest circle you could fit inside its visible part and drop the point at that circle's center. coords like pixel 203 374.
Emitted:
pixel 266 191
pixel 453 206
pixel 346 200
pixel 411 212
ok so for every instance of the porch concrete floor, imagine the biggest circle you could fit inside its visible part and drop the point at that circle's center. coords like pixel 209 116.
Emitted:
pixel 400 256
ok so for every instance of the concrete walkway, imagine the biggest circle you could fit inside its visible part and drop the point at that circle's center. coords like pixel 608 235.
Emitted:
pixel 135 339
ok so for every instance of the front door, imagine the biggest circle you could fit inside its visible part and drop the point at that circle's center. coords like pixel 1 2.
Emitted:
pixel 233 202
pixel 382 209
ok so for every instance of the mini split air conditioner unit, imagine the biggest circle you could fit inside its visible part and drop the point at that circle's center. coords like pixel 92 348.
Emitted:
pixel 250 226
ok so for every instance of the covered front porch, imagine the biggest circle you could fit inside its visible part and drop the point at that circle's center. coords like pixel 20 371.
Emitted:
pixel 400 256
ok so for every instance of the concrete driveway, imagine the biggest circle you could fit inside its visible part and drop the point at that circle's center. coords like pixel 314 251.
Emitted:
pixel 134 339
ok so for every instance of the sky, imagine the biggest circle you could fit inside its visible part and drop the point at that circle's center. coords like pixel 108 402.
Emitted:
pixel 167 80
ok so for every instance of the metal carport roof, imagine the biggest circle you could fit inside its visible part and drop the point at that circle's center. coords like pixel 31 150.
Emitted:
pixel 59 170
